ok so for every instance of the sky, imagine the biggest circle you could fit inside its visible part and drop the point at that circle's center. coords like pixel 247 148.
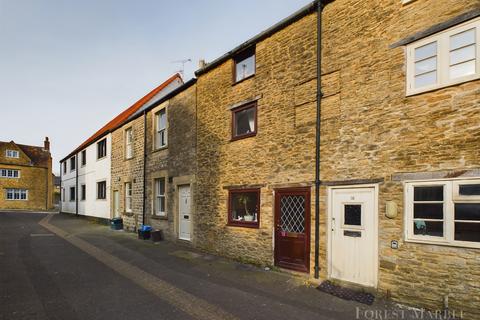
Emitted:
pixel 67 67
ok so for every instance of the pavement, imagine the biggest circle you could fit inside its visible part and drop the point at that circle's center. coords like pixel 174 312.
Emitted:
pixel 56 266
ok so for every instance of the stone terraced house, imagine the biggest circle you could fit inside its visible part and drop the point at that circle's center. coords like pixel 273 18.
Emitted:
pixel 153 165
pixel 26 181
pixel 399 187
pixel 375 185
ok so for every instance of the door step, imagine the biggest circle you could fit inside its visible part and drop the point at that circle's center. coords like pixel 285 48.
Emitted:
pixel 346 293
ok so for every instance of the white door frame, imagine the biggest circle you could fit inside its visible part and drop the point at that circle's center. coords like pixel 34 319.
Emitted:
pixel 178 186
pixel 329 224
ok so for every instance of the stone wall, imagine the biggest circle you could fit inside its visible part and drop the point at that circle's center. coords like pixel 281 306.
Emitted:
pixel 176 162
pixel 128 170
pixel 281 154
pixel 37 180
pixel 370 130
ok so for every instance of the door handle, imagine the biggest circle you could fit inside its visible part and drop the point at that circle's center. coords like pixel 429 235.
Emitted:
pixel 186 217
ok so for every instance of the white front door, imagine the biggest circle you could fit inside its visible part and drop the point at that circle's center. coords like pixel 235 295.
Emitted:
pixel 353 235
pixel 116 204
pixel 184 204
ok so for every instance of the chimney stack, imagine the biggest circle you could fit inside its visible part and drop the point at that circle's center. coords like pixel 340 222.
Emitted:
pixel 46 144
pixel 201 63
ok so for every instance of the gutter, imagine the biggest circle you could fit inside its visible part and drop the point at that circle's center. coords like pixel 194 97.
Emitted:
pixel 309 8
pixel 171 94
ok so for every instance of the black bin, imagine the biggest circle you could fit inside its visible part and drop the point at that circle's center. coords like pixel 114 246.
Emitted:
pixel 116 224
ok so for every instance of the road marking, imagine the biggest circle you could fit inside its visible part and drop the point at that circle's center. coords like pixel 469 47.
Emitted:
pixel 188 303
pixel 41 235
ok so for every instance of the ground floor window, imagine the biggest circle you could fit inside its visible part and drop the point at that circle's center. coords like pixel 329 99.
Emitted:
pixel 16 194
pixel 83 195
pixel 102 190
pixel 72 193
pixel 128 197
pixel 444 211
pixel 244 207
pixel 160 203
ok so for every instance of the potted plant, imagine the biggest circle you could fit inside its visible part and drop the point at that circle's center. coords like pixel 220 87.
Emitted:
pixel 244 200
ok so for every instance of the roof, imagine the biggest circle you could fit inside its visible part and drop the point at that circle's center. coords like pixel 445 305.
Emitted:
pixel 168 96
pixel 124 116
pixel 306 10
pixel 38 155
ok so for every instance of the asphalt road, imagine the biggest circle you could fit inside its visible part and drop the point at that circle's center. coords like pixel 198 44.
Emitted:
pixel 69 268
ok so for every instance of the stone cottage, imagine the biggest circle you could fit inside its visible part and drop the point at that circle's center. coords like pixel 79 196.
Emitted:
pixel 399 201
pixel 153 164
pixel 26 181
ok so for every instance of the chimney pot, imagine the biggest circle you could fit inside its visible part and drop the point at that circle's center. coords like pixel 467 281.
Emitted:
pixel 201 63
pixel 46 144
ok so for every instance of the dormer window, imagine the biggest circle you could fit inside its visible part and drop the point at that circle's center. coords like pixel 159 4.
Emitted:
pixel 12 154
pixel 244 64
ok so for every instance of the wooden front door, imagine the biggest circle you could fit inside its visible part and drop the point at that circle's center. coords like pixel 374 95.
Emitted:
pixel 292 229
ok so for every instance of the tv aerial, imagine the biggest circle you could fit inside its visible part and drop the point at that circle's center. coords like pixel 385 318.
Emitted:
pixel 182 62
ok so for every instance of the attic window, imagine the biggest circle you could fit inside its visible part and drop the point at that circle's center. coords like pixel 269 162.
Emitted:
pixel 12 154
pixel 244 64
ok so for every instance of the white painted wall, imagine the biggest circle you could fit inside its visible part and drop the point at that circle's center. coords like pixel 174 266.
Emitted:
pixel 95 170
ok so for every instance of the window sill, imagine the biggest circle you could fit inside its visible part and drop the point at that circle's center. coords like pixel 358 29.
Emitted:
pixel 98 159
pixel 252 225
pixel 101 199
pixel 415 92
pixel 160 149
pixel 458 244
pixel 249 135
pixel 242 80
pixel 126 159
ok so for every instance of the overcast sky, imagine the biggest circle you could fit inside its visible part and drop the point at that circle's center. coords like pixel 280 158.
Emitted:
pixel 67 66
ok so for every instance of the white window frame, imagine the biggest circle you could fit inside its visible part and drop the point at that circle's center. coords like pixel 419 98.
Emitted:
pixel 443 58
pixel 129 143
pixel 12 153
pixel 16 192
pixel 128 197
pixel 158 131
pixel 159 196
pixel 449 201
pixel 10 173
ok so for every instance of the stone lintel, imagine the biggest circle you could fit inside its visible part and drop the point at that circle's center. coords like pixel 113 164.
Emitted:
pixel 446 174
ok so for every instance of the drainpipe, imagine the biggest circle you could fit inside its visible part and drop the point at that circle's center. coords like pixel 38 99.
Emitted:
pixel 60 207
pixel 144 165
pixel 76 184
pixel 317 136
